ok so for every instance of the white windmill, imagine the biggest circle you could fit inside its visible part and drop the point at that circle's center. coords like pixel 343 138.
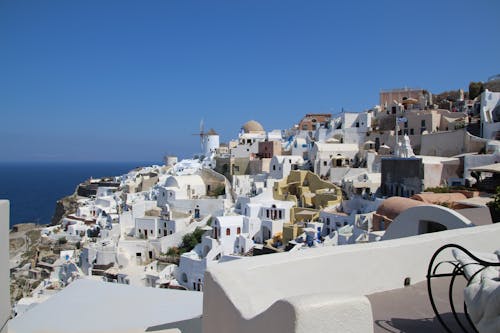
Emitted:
pixel 209 140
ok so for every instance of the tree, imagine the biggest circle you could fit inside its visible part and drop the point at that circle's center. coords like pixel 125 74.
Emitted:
pixel 495 206
pixel 189 241
pixel 475 89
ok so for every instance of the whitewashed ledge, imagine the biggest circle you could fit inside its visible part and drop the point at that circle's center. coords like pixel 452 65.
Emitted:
pixel 87 306
pixel 285 292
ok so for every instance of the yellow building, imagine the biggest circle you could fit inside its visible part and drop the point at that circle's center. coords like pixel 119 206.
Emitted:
pixel 310 194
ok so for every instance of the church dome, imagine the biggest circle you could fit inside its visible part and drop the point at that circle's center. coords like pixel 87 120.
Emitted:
pixel 252 127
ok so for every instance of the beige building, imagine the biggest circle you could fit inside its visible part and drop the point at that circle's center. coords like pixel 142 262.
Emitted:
pixel 416 124
pixel 412 97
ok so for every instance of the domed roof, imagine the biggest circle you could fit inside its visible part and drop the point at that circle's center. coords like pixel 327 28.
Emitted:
pixel 394 206
pixel 212 132
pixel 252 127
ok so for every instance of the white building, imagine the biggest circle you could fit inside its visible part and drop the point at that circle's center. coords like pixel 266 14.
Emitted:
pixel 249 185
pixel 248 141
pixel 187 167
pixel 351 127
pixel 150 227
pixel 226 230
pixel 300 147
pixel 324 155
pixel 78 230
pixel 281 166
pixel 181 187
pixel 274 135
pixel 260 218
pixel 490 115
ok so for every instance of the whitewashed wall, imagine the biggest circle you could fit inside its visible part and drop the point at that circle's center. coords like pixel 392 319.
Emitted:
pixel 240 293
pixel 4 263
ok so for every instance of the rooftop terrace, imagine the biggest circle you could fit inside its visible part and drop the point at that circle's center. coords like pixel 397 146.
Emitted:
pixel 350 288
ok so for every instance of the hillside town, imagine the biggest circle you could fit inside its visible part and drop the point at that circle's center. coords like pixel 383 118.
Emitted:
pixel 414 164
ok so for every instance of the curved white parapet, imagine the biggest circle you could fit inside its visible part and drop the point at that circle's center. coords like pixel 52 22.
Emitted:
pixel 413 221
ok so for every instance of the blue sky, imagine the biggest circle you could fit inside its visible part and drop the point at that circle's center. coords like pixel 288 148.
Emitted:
pixel 130 80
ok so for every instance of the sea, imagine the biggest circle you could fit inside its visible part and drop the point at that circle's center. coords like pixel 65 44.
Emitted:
pixel 33 188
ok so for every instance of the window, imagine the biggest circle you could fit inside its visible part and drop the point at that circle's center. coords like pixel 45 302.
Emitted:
pixel 422 123
pixel 324 163
pixel 274 167
pixel 412 132
pixel 238 230
pixel 357 124
pixel 228 232
pixel 393 109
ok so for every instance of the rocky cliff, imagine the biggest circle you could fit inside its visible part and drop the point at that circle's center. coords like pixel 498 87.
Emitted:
pixel 64 207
